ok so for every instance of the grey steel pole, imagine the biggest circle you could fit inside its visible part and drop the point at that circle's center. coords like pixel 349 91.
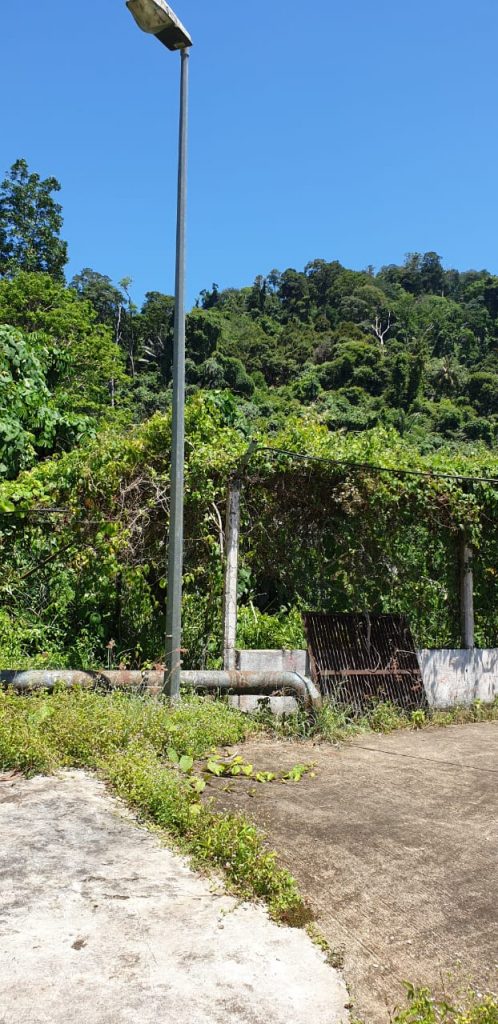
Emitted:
pixel 467 593
pixel 231 575
pixel 175 544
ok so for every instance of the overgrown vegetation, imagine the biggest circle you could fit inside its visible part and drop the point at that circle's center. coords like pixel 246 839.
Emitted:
pixel 325 537
pixel 395 369
pixel 336 724
pixel 128 741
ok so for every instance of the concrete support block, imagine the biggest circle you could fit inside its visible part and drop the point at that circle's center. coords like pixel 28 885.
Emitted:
pixel 270 661
pixel 273 661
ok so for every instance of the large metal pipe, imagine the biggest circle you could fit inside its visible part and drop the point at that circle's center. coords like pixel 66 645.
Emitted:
pixel 264 683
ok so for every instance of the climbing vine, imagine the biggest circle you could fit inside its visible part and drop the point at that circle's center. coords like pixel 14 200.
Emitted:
pixel 87 583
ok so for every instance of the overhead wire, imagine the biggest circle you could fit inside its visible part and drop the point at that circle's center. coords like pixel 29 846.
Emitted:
pixel 430 474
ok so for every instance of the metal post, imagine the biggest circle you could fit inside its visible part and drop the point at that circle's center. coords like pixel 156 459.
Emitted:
pixel 231 575
pixel 175 545
pixel 467 593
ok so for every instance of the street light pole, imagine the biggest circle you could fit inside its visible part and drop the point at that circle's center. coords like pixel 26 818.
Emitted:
pixel 175 546
pixel 157 18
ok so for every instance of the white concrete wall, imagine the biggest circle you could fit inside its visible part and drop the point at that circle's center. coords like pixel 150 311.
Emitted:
pixel 459 677
pixel 450 677
pixel 271 661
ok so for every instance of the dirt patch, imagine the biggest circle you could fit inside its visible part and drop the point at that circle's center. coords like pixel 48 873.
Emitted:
pixel 394 845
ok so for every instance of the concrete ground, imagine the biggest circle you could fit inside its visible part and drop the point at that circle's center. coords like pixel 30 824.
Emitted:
pixel 100 924
pixel 394 844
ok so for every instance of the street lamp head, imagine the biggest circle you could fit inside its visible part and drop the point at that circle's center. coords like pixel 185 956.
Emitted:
pixel 156 17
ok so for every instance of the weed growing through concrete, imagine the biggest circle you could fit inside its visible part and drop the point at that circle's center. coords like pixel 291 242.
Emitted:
pixel 425 1008
pixel 334 957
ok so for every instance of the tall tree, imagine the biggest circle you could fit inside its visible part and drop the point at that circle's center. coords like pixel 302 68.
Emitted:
pixel 432 274
pixel 30 224
pixel 155 330
pixel 106 299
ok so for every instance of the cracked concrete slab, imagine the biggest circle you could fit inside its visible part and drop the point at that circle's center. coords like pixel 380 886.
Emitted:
pixel 101 924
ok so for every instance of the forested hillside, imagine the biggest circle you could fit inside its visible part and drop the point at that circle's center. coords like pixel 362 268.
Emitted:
pixel 395 368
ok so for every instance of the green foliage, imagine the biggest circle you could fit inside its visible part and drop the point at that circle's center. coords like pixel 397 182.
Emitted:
pixel 28 420
pixel 232 843
pixel 236 766
pixel 338 539
pixel 83 366
pixel 360 348
pixel 328 329
pixel 30 223
pixel 106 299
pixel 284 630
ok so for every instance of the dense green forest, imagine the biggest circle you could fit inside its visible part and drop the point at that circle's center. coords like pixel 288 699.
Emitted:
pixel 395 368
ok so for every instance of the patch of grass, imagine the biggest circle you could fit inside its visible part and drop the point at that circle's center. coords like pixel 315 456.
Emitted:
pixel 126 739
pixel 24 744
pixel 336 724
pixel 79 728
pixel 425 1008
pixel 478 711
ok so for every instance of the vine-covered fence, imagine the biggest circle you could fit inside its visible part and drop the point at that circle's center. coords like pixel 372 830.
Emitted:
pixel 328 522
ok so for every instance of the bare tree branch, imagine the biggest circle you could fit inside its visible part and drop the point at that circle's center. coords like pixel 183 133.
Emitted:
pixel 380 329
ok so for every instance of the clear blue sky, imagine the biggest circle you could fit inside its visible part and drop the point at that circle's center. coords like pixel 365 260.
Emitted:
pixel 354 131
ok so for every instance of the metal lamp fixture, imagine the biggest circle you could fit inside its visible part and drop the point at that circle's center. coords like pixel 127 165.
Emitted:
pixel 157 18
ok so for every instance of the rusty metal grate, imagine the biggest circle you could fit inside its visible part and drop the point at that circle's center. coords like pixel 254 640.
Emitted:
pixel 361 659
